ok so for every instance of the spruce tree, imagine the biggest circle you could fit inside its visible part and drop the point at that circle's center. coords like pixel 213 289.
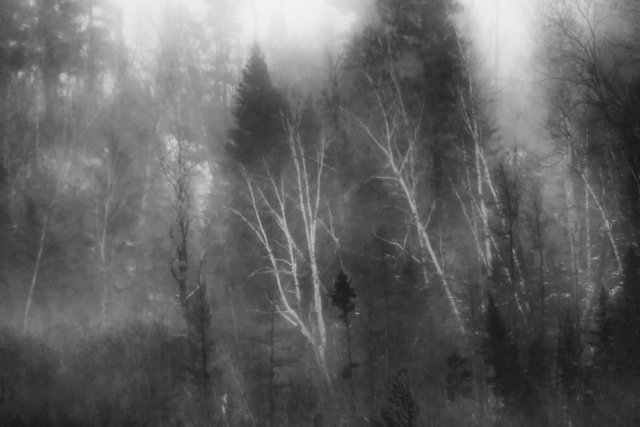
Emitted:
pixel 569 356
pixel 631 279
pixel 627 316
pixel 602 335
pixel 258 113
pixel 401 409
pixel 343 298
pixel 501 353
pixel 458 376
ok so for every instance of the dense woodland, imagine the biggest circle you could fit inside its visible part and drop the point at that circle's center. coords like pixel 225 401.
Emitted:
pixel 204 234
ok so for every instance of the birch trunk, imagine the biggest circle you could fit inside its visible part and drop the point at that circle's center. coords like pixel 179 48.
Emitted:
pixel 306 198
pixel 607 223
pixel 401 162
pixel 34 278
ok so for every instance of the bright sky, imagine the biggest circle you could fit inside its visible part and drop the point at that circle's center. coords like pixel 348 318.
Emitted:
pixel 303 19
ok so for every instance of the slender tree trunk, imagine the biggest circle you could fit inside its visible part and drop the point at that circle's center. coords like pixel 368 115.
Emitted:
pixel 353 395
pixel 402 167
pixel 272 406
pixel 371 357
pixel 103 277
pixel 587 210
pixel 505 226
pixel 101 231
pixel 34 277
pixel 314 331
pixel 607 225
pixel 427 249
pixel 383 260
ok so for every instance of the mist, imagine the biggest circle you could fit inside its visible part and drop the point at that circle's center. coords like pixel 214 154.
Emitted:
pixel 329 213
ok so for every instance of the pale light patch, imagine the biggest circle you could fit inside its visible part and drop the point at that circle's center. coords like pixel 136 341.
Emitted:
pixel 201 179
pixel 202 184
pixel 296 18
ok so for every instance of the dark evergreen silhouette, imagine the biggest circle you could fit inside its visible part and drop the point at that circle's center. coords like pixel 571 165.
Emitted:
pixel 343 298
pixel 627 317
pixel 401 409
pixel 200 334
pixel 603 333
pixel 535 381
pixel 569 357
pixel 501 353
pixel 458 376
pixel 631 280
pixel 258 113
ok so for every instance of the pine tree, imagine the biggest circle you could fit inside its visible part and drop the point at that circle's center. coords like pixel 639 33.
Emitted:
pixel 343 297
pixel 603 333
pixel 258 113
pixel 458 376
pixel 501 353
pixel 569 356
pixel 627 316
pixel 631 279
pixel 402 409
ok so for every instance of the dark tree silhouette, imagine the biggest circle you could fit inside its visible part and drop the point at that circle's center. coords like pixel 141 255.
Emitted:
pixel 458 376
pixel 569 356
pixel 343 297
pixel 603 333
pixel 258 113
pixel 501 353
pixel 402 409
pixel 627 316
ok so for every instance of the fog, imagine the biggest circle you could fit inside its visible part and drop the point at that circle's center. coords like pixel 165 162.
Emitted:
pixel 320 213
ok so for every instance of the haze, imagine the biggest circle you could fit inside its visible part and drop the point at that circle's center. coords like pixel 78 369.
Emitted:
pixel 321 213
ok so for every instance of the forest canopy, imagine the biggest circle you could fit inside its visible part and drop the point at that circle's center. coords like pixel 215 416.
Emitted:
pixel 432 218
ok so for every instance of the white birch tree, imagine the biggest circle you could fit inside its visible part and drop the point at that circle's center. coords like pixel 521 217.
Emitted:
pixel 396 135
pixel 293 202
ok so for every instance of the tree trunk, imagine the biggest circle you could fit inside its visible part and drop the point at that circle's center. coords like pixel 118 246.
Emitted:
pixel 353 395
pixel 34 278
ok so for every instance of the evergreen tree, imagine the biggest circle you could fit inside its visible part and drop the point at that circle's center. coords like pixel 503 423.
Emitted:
pixel 258 113
pixel 458 376
pixel 535 380
pixel 343 297
pixel 569 356
pixel 631 279
pixel 501 353
pixel 627 316
pixel 401 410
pixel 603 333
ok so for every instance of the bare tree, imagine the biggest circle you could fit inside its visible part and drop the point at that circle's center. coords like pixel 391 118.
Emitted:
pixel 295 205
pixel 45 174
pixel 109 201
pixel 397 139
pixel 178 167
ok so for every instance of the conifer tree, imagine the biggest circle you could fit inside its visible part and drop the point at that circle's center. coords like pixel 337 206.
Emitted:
pixel 343 297
pixel 603 333
pixel 627 315
pixel 569 357
pixel 631 279
pixel 458 376
pixel 258 113
pixel 402 409
pixel 501 353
